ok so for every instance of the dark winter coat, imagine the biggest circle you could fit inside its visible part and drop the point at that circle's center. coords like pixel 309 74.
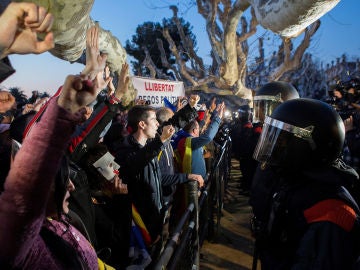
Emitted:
pixel 296 224
pixel 141 172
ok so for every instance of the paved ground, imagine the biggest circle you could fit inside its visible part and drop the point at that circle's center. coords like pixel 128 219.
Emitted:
pixel 233 248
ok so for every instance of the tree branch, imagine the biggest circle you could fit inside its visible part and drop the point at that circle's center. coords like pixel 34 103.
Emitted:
pixel 291 63
pixel 179 61
pixel 253 25
pixel 189 46
pixel 149 63
pixel 212 29
pixel 164 60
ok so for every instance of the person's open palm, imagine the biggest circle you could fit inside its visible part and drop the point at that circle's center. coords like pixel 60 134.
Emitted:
pixel 123 81
pixel 102 82
pixel 95 61
pixel 110 85
pixel 221 110
pixel 193 100
pixel 213 105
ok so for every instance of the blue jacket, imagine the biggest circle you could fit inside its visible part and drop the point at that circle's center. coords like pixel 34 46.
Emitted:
pixel 197 143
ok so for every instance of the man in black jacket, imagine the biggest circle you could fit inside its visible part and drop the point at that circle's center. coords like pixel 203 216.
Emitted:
pixel 138 158
pixel 139 166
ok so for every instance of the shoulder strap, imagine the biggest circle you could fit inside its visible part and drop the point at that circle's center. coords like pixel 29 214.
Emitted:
pixel 332 210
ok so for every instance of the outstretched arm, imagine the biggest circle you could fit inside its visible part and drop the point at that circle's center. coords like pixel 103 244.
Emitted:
pixel 28 184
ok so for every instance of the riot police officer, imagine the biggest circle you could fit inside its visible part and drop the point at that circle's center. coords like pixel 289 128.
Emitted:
pixel 271 95
pixel 266 99
pixel 304 216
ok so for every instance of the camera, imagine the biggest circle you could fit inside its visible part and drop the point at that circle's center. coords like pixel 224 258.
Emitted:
pixel 343 103
pixel 352 83
pixel 223 134
pixel 181 118
pixel 344 94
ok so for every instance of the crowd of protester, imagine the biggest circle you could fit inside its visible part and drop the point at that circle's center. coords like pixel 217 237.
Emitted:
pixel 87 182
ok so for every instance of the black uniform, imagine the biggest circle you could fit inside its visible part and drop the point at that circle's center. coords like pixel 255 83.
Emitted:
pixel 307 220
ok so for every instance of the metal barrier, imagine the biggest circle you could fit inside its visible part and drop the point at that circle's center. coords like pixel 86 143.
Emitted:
pixel 202 217
pixel 171 244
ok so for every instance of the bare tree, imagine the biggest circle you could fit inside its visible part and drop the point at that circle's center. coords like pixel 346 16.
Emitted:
pixel 228 40
pixel 229 31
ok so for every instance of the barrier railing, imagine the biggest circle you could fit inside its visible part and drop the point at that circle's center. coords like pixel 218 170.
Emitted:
pixel 201 219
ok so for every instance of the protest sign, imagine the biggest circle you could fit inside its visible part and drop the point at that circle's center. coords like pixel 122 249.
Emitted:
pixel 156 90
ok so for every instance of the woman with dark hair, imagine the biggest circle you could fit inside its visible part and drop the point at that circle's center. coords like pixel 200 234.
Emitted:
pixel 33 232
pixel 32 206
pixel 58 221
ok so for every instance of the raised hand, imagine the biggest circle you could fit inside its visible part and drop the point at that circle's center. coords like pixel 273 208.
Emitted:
pixel 119 186
pixel 41 102
pixel 349 123
pixel 101 82
pixel 27 108
pixel 77 92
pixel 111 87
pixel 123 81
pixel 20 25
pixel 213 105
pixel 193 100
pixel 220 110
pixel 7 101
pixel 167 132
pixel 95 61
pixel 179 104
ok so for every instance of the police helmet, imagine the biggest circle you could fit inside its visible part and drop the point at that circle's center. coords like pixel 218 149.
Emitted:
pixel 271 95
pixel 244 113
pixel 301 133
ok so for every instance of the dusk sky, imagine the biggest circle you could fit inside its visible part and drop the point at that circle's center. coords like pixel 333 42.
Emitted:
pixel 339 33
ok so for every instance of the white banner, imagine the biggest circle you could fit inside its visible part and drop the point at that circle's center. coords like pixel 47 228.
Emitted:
pixel 156 90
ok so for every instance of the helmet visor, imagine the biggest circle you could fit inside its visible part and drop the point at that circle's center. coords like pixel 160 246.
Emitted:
pixel 264 106
pixel 276 140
